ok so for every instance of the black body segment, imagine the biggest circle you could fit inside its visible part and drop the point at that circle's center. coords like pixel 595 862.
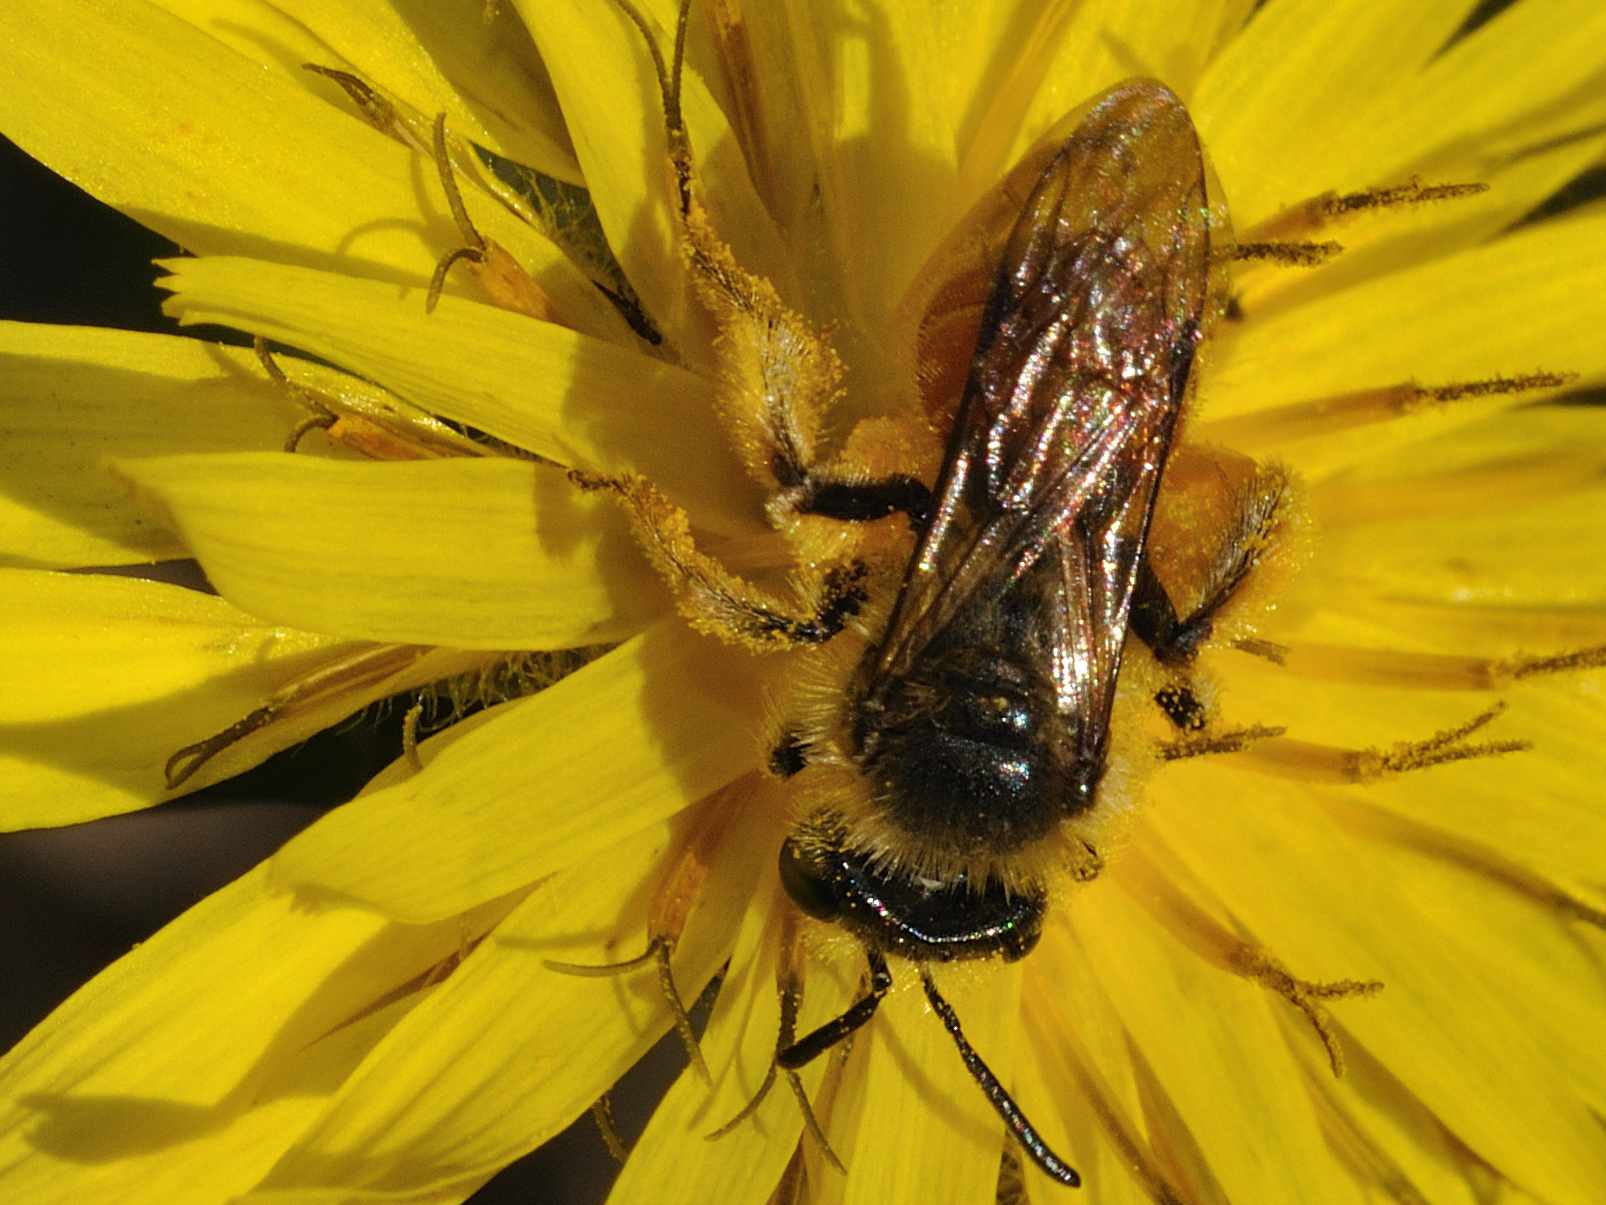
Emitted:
pixel 982 715
pixel 980 719
pixel 920 920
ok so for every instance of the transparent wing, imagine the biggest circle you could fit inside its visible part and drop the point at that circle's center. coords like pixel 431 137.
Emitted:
pixel 1079 376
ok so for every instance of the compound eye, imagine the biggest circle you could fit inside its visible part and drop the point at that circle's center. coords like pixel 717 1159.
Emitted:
pixel 807 883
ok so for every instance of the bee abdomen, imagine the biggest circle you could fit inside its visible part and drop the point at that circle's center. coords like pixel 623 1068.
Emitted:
pixel 960 766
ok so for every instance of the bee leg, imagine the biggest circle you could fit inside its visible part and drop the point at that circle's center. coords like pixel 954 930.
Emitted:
pixel 811 1046
pixel 1261 511
pixel 789 756
pixel 1154 618
pixel 807 493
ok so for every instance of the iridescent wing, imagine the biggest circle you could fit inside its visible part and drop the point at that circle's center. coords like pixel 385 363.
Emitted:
pixel 1079 376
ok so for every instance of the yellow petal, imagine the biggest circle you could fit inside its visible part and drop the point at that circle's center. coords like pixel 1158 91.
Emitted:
pixel 507 1052
pixel 633 737
pixel 1051 1081
pixel 74 396
pixel 229 1149
pixel 924 1130
pixel 875 111
pixel 571 398
pixel 1459 1021
pixel 110 676
pixel 1219 1063
pixel 478 68
pixel 1290 107
pixel 1527 554
pixel 1511 106
pixel 161 1058
pixel 1521 303
pixel 475 553
pixel 1072 52
pixel 604 80
pixel 199 142
pixel 674 1160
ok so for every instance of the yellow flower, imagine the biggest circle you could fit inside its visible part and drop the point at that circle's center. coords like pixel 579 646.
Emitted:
pixel 372 1014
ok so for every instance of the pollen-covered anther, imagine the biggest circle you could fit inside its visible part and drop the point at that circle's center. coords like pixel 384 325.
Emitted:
pixel 1446 746
pixel 1517 668
pixel 1255 964
pixel 1235 741
pixel 1317 417
pixel 1288 255
pixel 1307 761
pixel 1323 210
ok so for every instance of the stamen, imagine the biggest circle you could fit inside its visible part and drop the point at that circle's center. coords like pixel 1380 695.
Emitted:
pixel 1428 671
pixel 1266 650
pixel 386 431
pixel 1157 889
pixel 812 1123
pixel 348 674
pixel 602 1114
pixel 505 282
pixel 667 914
pixel 658 951
pixel 409 734
pixel 322 417
pixel 789 984
pixel 1307 761
pixel 1318 417
pixel 1235 741
pixel 1287 255
pixel 1307 995
pixel 1310 216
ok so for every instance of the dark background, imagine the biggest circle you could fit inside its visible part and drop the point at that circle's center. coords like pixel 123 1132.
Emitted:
pixel 75 899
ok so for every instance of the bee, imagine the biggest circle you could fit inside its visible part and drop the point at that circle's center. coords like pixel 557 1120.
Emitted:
pixel 979 721
pixel 959 765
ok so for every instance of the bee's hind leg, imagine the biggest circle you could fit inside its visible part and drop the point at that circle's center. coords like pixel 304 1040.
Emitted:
pixel 1259 512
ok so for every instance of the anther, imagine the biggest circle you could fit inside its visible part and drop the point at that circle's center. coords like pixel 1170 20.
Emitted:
pixel 1317 417
pixel 1307 995
pixel 1288 255
pixel 1235 741
pixel 1326 208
